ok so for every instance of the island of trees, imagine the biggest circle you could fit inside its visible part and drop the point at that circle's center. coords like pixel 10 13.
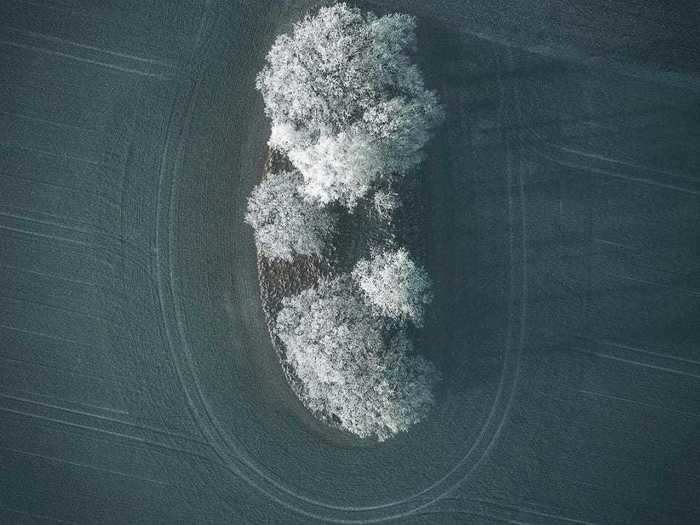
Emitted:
pixel 350 116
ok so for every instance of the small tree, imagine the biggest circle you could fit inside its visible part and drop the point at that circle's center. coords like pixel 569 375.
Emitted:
pixel 284 223
pixel 385 203
pixel 349 367
pixel 346 103
pixel 394 285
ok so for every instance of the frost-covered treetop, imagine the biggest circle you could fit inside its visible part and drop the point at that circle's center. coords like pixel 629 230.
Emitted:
pixel 285 225
pixel 337 64
pixel 347 104
pixel 348 366
pixel 393 284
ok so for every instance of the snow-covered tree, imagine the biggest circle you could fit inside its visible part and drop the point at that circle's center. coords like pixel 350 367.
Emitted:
pixel 341 167
pixel 349 366
pixel 284 223
pixel 347 104
pixel 394 285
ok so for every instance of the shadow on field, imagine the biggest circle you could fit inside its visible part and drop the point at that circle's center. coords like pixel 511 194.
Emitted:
pixel 465 191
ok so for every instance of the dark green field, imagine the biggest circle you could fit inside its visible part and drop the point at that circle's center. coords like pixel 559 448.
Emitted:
pixel 138 383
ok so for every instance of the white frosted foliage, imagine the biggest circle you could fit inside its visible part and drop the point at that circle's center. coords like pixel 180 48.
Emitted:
pixel 385 204
pixel 285 225
pixel 349 110
pixel 348 366
pixel 346 102
pixel 394 285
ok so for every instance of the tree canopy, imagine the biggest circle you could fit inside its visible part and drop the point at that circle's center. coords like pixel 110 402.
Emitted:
pixel 346 102
pixel 349 365
pixel 284 224
pixel 394 285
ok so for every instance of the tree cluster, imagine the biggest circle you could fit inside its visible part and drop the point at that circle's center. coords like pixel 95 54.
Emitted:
pixel 350 111
pixel 347 104
pixel 351 366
